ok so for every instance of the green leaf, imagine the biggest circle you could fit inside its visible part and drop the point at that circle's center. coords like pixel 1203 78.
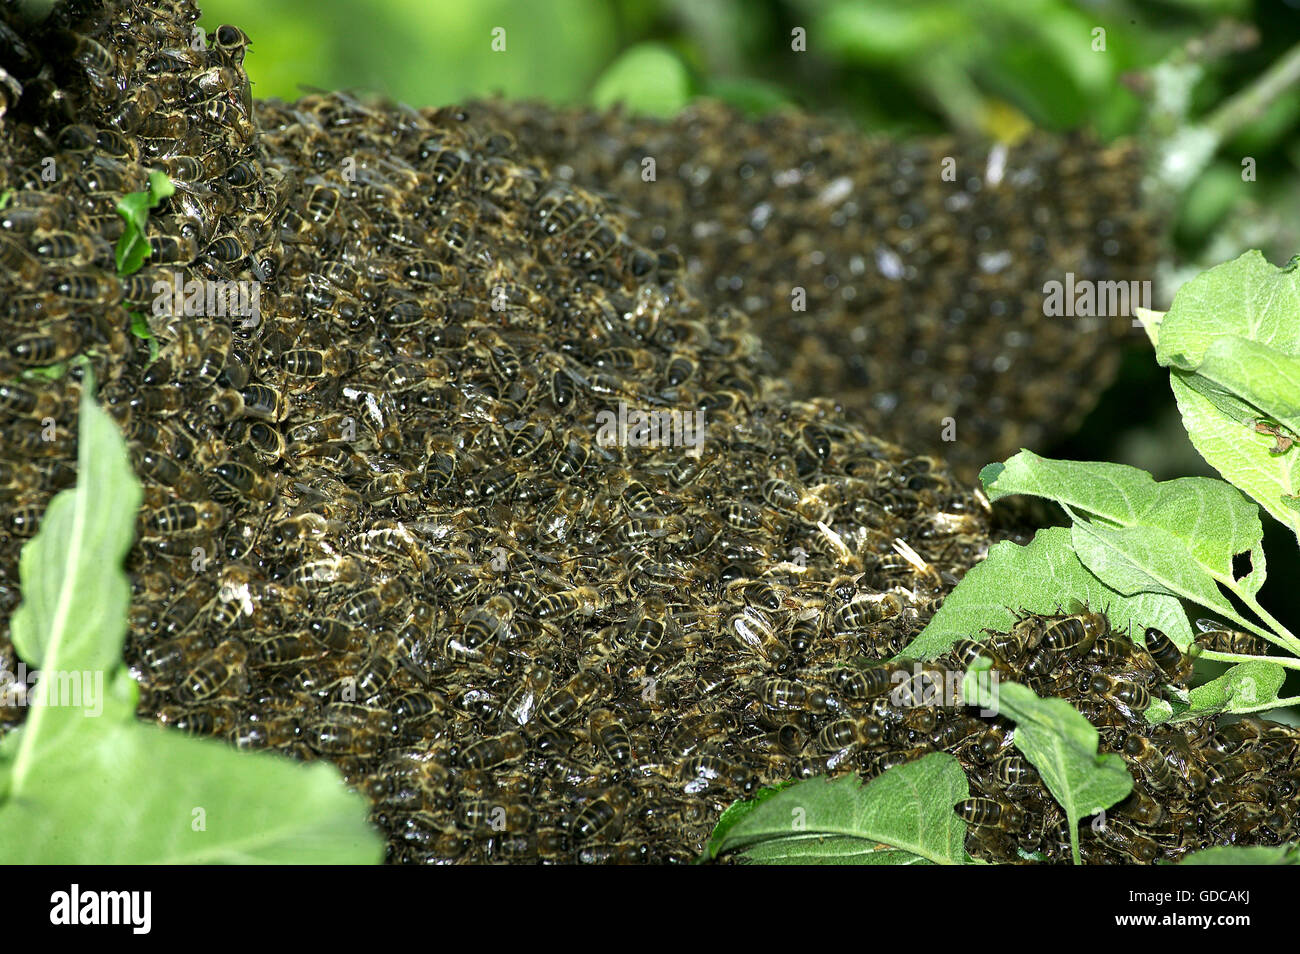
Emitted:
pixel 140 328
pixel 1150 322
pixel 1145 560
pixel 160 187
pixel 1160 710
pixel 1246 298
pixel 1059 742
pixel 1257 374
pixel 51 372
pixel 827 851
pixel 904 816
pixel 133 246
pixel 1232 341
pixel 82 781
pixel 1202 521
pixel 4 198
pixel 735 812
pixel 1246 687
pixel 1227 403
pixel 1241 455
pixel 1042 577
pixel 130 793
pixel 648 79
pixel 72 614
pixel 1288 854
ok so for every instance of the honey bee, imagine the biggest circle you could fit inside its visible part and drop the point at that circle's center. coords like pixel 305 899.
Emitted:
pixel 1125 839
pixel 780 694
pixel 862 684
pixel 1177 666
pixel 483 625
pixel 315 364
pixel 865 610
pixel 34 350
pixel 267 443
pixel 326 572
pixel 990 813
pixel 98 62
pixel 231 117
pixel 78 250
pixel 335 634
pixel 522 704
pixel 599 813
pixel 494 751
pixel 374 602
pixel 264 402
pixel 752 629
pixel 703 772
pixel 1075 634
pixel 244 480
pixel 1218 640
pixel 1129 698
pixel 563 704
pixel 184 609
pixel 137 105
pixel 284 650
pixel 837 735
pixel 224 666
pixel 229 248
pixel 18 400
pixel 417 707
pixel 1013 771
pixel 1151 760
pixel 230 42
pixel 1235 736
pixel 209 721
pixel 580 600
pixel 338 734
pixel 203 517
pixel 611 737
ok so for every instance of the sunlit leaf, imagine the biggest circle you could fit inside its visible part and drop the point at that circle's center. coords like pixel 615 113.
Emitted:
pixel 736 811
pixel 1043 577
pixel 1241 455
pixel 1246 687
pixel 1201 522
pixel 1247 298
pixel 904 816
pixel 129 793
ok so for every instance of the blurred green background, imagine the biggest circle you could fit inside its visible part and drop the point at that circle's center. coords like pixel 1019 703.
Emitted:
pixel 902 67
pixel 898 66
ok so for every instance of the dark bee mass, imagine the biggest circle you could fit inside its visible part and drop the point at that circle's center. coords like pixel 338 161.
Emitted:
pixel 921 264
pixel 380 527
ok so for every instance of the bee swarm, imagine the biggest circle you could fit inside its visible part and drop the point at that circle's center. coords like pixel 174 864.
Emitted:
pixel 379 527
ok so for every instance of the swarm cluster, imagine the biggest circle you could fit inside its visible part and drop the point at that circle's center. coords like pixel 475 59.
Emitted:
pixel 904 279
pixel 380 524
pixel 1195 783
